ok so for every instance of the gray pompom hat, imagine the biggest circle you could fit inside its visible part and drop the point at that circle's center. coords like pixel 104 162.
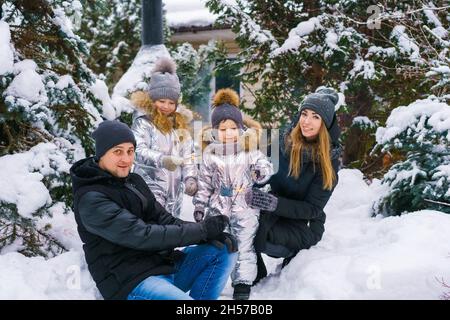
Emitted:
pixel 164 82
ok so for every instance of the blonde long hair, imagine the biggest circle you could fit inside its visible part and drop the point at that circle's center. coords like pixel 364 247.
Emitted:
pixel 163 123
pixel 166 123
pixel 320 152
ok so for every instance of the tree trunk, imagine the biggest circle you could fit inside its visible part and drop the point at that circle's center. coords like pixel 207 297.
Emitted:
pixel 354 149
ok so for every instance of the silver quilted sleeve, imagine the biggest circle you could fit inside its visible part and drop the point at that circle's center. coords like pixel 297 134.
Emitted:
pixel 189 166
pixel 205 186
pixel 144 133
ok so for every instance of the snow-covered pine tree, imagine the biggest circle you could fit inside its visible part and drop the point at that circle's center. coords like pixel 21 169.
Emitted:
pixel 112 30
pixel 377 56
pixel 421 132
pixel 49 103
pixel 196 69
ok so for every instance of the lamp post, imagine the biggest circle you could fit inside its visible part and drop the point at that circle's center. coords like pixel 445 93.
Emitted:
pixel 152 23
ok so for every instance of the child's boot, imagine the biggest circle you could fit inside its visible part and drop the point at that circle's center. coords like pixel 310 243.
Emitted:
pixel 241 291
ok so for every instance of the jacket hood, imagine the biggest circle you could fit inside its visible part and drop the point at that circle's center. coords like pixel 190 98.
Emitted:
pixel 143 104
pixel 87 172
pixel 139 113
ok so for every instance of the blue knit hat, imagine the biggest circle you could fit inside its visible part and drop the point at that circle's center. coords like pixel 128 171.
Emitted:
pixel 111 133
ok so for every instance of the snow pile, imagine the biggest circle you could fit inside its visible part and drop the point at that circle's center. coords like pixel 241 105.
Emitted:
pixel 64 82
pixel 441 71
pixel 35 92
pixel 438 70
pixel 359 257
pixel 22 174
pixel 60 278
pixel 28 83
pixel 68 17
pixel 381 52
pixel 137 76
pixel 331 39
pixel 6 52
pixel 64 227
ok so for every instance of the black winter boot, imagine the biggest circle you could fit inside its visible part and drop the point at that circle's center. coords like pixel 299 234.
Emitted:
pixel 262 270
pixel 286 262
pixel 241 291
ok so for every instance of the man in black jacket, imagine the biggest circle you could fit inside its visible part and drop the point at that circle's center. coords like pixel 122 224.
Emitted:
pixel 129 238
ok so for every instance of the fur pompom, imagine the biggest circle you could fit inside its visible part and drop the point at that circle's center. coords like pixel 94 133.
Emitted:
pixel 164 65
pixel 228 96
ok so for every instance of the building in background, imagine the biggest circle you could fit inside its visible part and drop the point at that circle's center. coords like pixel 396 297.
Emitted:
pixel 190 21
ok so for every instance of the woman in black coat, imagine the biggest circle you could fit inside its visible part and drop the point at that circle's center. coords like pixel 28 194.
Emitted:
pixel 292 216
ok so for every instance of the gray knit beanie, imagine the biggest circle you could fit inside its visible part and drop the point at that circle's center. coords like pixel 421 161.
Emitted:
pixel 164 82
pixel 323 102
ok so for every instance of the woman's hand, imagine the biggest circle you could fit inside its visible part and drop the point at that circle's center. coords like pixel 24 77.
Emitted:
pixel 258 199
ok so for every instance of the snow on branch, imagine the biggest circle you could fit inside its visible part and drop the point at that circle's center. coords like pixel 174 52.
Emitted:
pixel 249 27
pixel 296 36
pixel 406 44
pixel 413 117
pixel 388 16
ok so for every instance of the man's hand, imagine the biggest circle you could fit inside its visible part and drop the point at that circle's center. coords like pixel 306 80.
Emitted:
pixel 226 239
pixel 214 226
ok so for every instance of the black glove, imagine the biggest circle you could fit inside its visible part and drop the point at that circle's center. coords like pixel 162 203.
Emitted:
pixel 258 199
pixel 226 239
pixel 214 226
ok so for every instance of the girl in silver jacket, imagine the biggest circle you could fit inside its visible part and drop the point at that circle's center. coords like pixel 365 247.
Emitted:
pixel 164 147
pixel 231 164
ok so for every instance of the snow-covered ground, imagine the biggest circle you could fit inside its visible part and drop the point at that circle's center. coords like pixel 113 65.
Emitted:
pixel 359 257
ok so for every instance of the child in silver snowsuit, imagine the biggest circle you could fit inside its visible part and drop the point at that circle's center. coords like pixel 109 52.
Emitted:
pixel 164 147
pixel 231 164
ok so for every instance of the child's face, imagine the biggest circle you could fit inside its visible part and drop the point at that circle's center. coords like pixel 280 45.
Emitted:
pixel 228 131
pixel 165 106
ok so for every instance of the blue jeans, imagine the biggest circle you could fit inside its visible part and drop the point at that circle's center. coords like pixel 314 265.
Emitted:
pixel 203 271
